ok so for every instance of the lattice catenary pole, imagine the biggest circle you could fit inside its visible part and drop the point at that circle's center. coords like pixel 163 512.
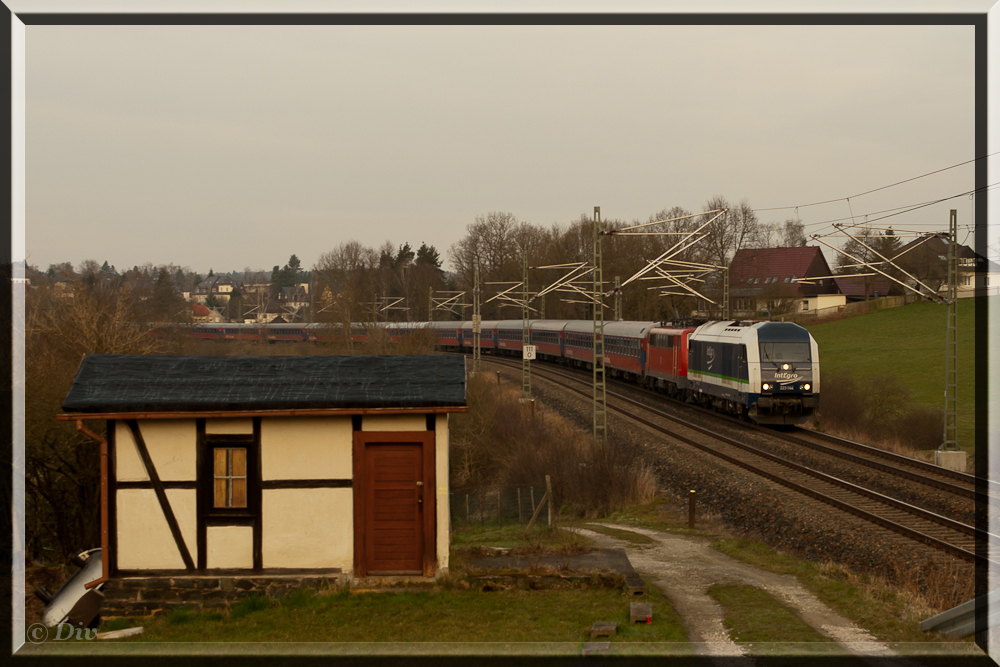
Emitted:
pixel 525 362
pixel 476 323
pixel 618 298
pixel 725 292
pixel 600 388
pixel 951 342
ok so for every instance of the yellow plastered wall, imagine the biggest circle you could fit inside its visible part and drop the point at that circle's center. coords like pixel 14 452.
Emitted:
pixel 144 538
pixel 394 423
pixel 306 528
pixel 171 447
pixel 306 448
pixel 442 501
pixel 229 547
pixel 128 465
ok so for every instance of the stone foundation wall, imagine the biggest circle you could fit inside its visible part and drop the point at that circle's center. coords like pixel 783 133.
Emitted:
pixel 146 596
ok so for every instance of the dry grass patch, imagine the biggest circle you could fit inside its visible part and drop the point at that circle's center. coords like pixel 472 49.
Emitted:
pixel 503 443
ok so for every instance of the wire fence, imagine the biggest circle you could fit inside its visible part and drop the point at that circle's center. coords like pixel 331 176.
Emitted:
pixel 498 507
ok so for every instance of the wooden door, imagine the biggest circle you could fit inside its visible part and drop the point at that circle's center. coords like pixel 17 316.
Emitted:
pixel 394 508
pixel 394 503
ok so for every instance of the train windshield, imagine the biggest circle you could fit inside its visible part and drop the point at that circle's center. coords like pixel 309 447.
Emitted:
pixel 784 352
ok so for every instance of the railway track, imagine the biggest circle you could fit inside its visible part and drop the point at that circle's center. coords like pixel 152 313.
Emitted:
pixel 941 533
pixel 949 483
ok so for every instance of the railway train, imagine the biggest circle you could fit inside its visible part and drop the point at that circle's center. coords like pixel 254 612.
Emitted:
pixel 767 372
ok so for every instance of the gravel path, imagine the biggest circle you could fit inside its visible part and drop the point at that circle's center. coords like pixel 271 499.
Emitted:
pixel 684 567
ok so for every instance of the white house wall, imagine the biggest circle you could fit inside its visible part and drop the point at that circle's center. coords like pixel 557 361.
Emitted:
pixel 306 448
pixel 144 538
pixel 229 547
pixel 308 528
pixel 829 300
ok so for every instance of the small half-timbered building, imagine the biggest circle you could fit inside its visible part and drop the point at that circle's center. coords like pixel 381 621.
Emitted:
pixel 251 467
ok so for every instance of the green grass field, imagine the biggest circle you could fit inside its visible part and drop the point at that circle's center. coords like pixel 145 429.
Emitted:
pixel 908 342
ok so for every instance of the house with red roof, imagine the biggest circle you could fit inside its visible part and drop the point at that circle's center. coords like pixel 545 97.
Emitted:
pixel 202 313
pixel 864 288
pixel 772 281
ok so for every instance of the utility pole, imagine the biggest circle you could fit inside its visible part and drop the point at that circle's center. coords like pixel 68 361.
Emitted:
pixel 525 341
pixel 477 322
pixel 600 387
pixel 430 304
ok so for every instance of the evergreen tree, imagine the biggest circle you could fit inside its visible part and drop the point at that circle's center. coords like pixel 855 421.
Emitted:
pixel 428 255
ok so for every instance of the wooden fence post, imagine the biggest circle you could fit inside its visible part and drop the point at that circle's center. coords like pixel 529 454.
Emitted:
pixel 548 492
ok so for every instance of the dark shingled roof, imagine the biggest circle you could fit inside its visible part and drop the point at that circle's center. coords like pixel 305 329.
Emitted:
pixel 149 383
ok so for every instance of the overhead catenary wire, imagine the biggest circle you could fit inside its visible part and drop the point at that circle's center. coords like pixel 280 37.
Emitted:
pixel 908 209
pixel 884 187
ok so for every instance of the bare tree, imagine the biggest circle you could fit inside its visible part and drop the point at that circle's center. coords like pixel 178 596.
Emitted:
pixel 793 233
pixel 62 467
pixel 738 228
pixel 344 284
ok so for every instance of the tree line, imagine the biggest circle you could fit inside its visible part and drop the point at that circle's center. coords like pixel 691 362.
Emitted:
pixel 497 242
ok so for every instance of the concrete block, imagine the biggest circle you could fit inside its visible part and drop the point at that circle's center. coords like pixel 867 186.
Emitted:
pixel 640 612
pixel 597 648
pixel 952 460
pixel 603 629
pixel 636 586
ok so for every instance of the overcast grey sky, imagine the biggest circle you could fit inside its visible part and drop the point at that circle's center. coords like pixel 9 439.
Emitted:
pixel 231 146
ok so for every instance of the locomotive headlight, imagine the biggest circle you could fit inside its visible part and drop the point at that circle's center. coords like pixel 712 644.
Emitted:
pixel 785 367
pixel 806 387
pixel 766 386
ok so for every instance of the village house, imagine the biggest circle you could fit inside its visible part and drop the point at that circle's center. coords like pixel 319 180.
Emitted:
pixel 200 313
pixel 221 287
pixel 775 281
pixel 865 288
pixel 226 475
pixel 926 259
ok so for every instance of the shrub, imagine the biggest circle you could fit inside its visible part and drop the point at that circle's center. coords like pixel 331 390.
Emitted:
pixel 920 428
pixel 885 401
pixel 877 409
pixel 840 404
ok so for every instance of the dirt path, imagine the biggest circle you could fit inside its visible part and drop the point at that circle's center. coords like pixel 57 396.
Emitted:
pixel 684 567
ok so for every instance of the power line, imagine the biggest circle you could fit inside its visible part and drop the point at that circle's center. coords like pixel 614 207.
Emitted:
pixel 884 187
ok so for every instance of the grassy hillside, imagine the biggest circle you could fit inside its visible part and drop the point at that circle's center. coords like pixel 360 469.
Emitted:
pixel 908 342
